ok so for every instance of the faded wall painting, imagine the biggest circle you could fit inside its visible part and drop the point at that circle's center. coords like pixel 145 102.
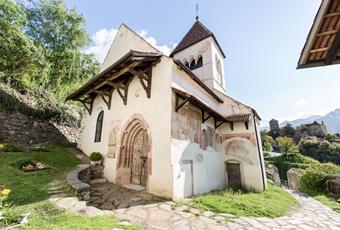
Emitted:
pixel 186 125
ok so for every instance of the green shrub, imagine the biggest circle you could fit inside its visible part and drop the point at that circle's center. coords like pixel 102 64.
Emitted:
pixel 286 162
pixel 96 156
pixel 314 178
pixel 12 147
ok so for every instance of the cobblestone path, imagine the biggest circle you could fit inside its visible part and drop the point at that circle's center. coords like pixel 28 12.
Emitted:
pixel 310 215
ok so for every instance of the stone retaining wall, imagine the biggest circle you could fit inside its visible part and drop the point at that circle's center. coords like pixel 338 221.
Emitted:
pixel 333 184
pixel 79 179
pixel 17 127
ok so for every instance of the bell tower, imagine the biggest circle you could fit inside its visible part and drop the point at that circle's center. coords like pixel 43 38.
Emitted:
pixel 200 52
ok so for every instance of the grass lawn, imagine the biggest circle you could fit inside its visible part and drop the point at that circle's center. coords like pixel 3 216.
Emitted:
pixel 30 191
pixel 273 202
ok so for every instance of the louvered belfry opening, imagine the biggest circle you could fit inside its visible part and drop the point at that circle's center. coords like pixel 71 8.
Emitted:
pixel 99 127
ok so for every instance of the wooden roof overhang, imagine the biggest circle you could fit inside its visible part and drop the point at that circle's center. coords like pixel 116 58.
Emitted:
pixel 183 98
pixel 118 77
pixel 322 46
pixel 181 66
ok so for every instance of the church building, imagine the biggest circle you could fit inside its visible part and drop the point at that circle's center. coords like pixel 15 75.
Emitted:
pixel 166 122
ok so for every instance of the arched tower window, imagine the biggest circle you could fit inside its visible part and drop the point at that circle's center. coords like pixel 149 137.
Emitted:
pixel 99 127
pixel 219 69
pixel 186 64
pixel 199 62
pixel 192 64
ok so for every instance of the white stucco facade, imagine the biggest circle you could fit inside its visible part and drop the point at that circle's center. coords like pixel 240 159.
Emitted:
pixel 185 156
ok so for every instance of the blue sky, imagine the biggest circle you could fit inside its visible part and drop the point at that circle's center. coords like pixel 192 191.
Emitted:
pixel 262 41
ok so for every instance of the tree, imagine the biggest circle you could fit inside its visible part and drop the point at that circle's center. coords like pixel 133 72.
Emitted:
pixel 60 33
pixel 21 61
pixel 267 143
pixel 287 131
pixel 286 144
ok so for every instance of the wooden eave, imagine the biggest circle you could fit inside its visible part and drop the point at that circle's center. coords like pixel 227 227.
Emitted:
pixel 136 58
pixel 322 46
pixel 118 77
pixel 197 80
pixel 206 111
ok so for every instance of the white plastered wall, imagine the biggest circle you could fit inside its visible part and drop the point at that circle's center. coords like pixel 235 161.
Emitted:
pixel 156 111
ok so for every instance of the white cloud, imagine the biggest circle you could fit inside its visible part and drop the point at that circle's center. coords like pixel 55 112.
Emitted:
pixel 300 102
pixel 103 38
pixel 163 48
pixel 101 43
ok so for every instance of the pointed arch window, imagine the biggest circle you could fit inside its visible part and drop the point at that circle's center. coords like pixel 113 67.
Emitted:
pixel 192 64
pixel 99 127
pixel 186 64
pixel 219 69
pixel 199 62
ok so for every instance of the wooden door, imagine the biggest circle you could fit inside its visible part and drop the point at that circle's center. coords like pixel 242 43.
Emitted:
pixel 139 159
pixel 234 175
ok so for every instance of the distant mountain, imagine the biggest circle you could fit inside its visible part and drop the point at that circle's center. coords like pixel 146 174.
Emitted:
pixel 331 119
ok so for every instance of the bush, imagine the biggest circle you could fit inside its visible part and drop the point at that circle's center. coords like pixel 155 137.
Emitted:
pixel 12 147
pixel 96 156
pixel 314 178
pixel 286 162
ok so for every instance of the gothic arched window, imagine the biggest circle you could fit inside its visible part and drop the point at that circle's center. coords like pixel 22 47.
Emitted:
pixel 199 62
pixel 192 64
pixel 219 69
pixel 99 127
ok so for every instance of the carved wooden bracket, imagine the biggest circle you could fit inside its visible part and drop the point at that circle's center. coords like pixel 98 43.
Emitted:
pixel 179 104
pixel 106 96
pixel 122 89
pixel 246 124
pixel 218 123
pixel 145 77
pixel 205 118
pixel 88 103
pixel 232 125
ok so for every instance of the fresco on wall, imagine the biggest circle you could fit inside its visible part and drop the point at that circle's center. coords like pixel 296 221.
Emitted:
pixel 186 125
pixel 238 150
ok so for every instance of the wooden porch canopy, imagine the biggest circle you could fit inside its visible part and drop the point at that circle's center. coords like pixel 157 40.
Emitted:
pixel 118 77
pixel 183 98
pixel 323 42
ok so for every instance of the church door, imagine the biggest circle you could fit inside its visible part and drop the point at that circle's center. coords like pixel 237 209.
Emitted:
pixel 234 175
pixel 139 159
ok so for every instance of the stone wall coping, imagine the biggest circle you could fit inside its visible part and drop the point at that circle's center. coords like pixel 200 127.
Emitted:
pixel 74 181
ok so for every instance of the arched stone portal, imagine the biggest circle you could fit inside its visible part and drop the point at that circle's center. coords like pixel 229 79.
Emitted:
pixel 134 162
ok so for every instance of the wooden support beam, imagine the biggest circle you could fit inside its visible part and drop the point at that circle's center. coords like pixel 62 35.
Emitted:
pixel 246 124
pixel 331 55
pixel 217 124
pixel 88 103
pixel 319 50
pixel 179 105
pixel 232 125
pixel 144 78
pixel 332 14
pixel 205 118
pixel 107 97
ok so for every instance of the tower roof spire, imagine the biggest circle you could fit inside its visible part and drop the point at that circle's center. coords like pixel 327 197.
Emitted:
pixel 196 33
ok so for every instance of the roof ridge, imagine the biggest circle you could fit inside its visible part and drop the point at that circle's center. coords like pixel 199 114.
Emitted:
pixel 195 34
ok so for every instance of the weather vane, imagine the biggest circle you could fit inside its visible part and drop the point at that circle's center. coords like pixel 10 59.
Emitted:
pixel 197 8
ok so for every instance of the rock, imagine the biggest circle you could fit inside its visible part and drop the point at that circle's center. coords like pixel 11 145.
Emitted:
pixel 208 214
pixel 293 176
pixel 273 174
pixel 107 206
pixel 98 181
pixel 66 203
pixel 92 211
pixel 124 205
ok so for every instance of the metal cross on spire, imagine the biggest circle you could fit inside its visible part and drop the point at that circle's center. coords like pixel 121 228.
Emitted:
pixel 197 8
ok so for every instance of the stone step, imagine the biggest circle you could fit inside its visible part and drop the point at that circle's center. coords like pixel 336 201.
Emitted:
pixel 98 181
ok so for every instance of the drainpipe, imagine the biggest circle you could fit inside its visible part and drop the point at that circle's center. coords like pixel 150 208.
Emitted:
pixel 259 153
